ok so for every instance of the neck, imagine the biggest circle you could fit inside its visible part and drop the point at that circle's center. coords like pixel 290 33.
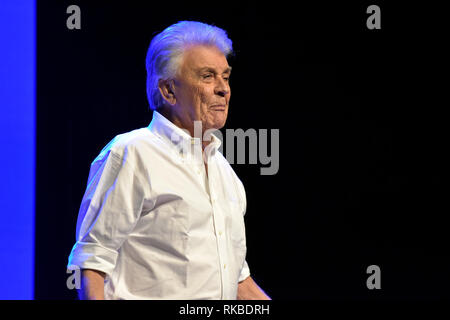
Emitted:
pixel 170 115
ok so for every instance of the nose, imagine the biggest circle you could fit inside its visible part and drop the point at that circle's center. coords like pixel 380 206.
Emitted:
pixel 222 87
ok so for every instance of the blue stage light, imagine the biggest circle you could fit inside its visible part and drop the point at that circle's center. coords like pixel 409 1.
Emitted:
pixel 17 145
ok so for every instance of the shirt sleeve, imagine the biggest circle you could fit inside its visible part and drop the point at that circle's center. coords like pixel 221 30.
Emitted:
pixel 245 272
pixel 109 211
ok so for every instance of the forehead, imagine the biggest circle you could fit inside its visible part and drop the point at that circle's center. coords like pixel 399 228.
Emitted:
pixel 200 56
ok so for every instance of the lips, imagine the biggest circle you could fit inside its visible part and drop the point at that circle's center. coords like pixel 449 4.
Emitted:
pixel 218 107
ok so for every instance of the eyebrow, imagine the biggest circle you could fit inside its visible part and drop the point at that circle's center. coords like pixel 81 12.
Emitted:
pixel 209 69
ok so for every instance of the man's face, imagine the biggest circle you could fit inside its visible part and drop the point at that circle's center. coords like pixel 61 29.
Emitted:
pixel 202 87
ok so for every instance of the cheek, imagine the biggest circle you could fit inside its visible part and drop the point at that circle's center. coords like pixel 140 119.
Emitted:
pixel 191 94
pixel 203 95
pixel 200 96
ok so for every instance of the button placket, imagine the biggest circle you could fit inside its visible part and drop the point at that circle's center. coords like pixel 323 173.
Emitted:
pixel 219 227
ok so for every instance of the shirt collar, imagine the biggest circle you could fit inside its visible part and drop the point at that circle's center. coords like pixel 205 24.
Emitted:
pixel 177 137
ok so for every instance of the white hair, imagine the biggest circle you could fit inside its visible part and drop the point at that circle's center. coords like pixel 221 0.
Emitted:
pixel 166 49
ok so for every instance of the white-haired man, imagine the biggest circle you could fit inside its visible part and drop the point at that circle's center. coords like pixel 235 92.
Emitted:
pixel 156 223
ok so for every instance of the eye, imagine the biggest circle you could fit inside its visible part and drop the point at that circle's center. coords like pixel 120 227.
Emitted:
pixel 207 76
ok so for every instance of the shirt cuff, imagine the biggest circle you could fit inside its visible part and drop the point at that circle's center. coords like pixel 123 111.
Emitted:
pixel 92 256
pixel 245 272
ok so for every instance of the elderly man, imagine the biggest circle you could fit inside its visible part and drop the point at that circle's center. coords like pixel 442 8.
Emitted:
pixel 156 223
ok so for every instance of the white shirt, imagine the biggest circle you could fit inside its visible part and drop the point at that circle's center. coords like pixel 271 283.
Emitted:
pixel 157 224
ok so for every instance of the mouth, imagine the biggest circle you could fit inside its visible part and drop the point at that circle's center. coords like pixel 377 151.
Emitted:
pixel 218 107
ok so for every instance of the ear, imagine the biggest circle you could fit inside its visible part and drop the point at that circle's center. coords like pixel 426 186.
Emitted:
pixel 167 91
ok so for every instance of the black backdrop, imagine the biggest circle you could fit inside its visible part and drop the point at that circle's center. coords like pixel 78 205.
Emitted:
pixel 360 114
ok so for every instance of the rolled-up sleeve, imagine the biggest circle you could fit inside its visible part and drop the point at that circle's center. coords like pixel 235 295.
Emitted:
pixel 109 211
pixel 245 272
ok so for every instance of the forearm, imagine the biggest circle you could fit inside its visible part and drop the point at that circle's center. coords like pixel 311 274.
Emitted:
pixel 92 285
pixel 249 290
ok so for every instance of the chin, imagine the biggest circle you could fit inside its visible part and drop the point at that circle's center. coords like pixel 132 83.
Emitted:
pixel 216 125
pixel 218 122
pixel 220 126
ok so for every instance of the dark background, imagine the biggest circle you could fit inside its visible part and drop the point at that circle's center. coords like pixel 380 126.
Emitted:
pixel 361 120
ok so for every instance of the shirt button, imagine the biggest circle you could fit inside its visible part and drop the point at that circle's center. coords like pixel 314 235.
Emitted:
pixel 224 266
pixel 220 233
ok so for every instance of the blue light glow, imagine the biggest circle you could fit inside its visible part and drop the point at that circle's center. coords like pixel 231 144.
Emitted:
pixel 17 143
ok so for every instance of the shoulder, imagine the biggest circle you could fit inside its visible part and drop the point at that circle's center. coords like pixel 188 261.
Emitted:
pixel 128 146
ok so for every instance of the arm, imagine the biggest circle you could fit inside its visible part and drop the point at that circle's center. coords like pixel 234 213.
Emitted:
pixel 92 285
pixel 109 211
pixel 249 290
